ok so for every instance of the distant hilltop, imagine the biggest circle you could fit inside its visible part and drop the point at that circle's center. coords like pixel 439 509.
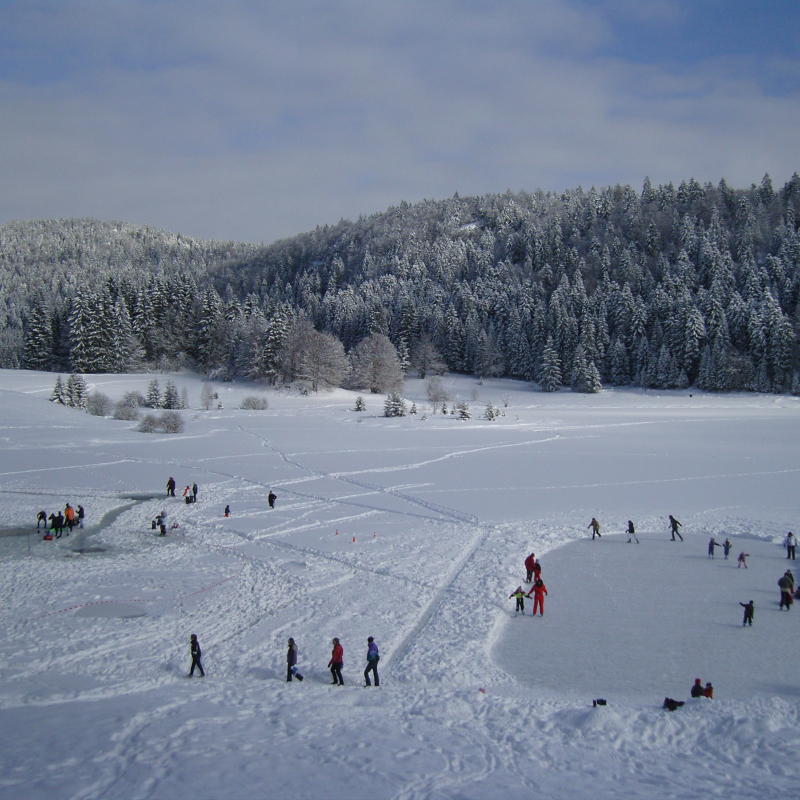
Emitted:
pixel 668 287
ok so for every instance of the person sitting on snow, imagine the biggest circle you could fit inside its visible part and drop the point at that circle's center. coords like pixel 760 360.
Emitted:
pixel 697 689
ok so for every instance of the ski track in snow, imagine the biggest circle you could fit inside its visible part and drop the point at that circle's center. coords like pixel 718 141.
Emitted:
pixel 436 598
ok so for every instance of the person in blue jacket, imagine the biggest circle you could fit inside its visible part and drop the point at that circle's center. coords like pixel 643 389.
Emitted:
pixel 373 657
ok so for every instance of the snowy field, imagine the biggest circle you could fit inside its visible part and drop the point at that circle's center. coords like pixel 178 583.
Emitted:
pixel 434 518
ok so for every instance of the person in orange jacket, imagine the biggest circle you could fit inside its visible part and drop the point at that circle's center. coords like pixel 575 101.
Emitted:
pixel 539 590
pixel 709 691
pixel 336 663
pixel 69 517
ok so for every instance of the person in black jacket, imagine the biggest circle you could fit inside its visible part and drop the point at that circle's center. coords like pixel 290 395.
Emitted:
pixel 697 689
pixel 749 610
pixel 291 663
pixel 171 487
pixel 271 498
pixel 41 517
pixel 194 649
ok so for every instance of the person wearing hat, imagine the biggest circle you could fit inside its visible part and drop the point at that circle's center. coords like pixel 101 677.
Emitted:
pixel 697 689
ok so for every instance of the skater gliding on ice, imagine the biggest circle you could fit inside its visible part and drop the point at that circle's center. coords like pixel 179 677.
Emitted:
pixel 595 526
pixel 726 548
pixel 271 498
pixel 742 560
pixel 749 610
pixel 674 525
pixel 712 543
pixel 196 652
pixel 373 657
pixel 632 532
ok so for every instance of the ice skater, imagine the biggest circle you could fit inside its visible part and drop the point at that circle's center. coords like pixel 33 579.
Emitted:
pixel 790 543
pixel 196 652
pixel 749 610
pixel 291 663
pixel 785 585
pixel 520 597
pixel 336 663
pixel 742 560
pixel 632 532
pixel 539 590
pixel 726 548
pixel 674 525
pixel 373 657
pixel 712 543
pixel 595 526
pixel 271 498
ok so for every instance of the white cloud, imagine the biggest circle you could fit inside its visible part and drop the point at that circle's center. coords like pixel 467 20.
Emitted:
pixel 255 122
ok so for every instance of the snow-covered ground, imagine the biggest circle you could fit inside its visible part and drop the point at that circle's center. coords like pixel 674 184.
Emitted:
pixel 413 531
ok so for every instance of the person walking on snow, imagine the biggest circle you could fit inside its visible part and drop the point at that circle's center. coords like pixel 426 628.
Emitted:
pixel 790 543
pixel 196 652
pixel 520 596
pixel 187 492
pixel 171 487
pixel 749 610
pixel 373 657
pixel 81 515
pixel 291 662
pixel 539 591
pixel 336 663
pixel 529 562
pixel 595 526
pixel 69 517
pixel 674 525
pixel 712 543
pixel 742 560
pixel 227 511
pixel 271 498
pixel 726 548
pixel 632 532
pixel 41 517
pixel 785 585
pixel 194 492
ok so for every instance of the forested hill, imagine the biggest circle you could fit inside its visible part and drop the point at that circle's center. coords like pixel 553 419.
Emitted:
pixel 668 287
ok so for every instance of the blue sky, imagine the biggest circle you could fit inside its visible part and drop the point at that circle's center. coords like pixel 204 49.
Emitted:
pixel 257 120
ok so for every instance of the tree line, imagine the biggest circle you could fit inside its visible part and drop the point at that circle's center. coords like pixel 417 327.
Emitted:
pixel 668 287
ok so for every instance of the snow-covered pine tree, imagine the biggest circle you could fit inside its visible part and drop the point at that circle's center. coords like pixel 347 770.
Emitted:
pixel 463 411
pixel 59 392
pixel 75 391
pixel 550 371
pixel 171 399
pixel 38 336
pixel 153 394
pixel 394 406
pixel 360 404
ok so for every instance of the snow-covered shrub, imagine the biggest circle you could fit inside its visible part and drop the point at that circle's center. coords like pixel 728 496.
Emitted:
pixel 254 403
pixel 168 422
pixel 394 406
pixel 360 404
pixel 492 412
pixel 413 409
pixel 149 424
pixel 99 404
pixel 134 399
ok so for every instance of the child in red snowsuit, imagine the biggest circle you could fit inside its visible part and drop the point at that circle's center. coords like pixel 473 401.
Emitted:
pixel 539 590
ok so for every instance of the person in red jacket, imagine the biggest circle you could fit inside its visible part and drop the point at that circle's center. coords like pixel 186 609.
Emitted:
pixel 539 590
pixel 336 663
pixel 529 562
pixel 537 571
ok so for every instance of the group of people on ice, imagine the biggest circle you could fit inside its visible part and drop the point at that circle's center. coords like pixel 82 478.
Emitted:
pixel 533 575
pixel 334 665
pixel 70 518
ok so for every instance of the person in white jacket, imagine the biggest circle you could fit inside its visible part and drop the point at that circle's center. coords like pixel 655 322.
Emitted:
pixel 790 543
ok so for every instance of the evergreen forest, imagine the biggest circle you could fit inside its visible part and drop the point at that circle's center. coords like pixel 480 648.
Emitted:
pixel 669 287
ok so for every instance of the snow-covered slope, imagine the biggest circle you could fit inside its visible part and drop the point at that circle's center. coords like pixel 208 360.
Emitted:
pixel 434 517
